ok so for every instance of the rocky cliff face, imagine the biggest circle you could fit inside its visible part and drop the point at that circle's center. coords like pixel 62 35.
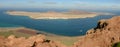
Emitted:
pixel 105 34
pixel 33 41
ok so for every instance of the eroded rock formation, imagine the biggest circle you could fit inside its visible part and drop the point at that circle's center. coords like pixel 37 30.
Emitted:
pixel 33 41
pixel 105 34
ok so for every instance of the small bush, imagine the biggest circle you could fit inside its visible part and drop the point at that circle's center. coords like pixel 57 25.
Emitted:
pixel 116 44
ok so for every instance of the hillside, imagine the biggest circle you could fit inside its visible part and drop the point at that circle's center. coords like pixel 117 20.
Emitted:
pixel 105 34
pixel 25 32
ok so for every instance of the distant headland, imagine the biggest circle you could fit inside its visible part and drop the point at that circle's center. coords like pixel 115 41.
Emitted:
pixel 54 15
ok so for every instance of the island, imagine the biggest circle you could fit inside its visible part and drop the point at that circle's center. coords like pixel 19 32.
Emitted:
pixel 54 15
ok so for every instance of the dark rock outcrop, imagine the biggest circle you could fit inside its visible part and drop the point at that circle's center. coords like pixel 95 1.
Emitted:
pixel 105 34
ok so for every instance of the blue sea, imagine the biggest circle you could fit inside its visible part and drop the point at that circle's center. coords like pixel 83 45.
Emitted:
pixel 66 27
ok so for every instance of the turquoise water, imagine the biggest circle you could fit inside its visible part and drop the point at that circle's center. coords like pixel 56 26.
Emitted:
pixel 71 27
pixel 8 25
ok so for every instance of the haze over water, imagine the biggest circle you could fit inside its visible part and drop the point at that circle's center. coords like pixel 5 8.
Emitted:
pixel 71 27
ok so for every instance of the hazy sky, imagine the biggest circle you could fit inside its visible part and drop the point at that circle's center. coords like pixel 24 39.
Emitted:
pixel 63 4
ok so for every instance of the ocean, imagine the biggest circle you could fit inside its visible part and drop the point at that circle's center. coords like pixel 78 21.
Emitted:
pixel 64 27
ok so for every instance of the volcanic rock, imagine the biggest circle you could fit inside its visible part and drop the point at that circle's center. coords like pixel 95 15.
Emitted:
pixel 33 41
pixel 105 34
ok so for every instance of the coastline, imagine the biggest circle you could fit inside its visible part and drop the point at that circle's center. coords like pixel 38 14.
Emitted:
pixel 51 15
pixel 61 39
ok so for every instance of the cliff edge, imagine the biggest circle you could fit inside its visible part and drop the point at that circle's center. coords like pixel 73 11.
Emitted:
pixel 105 34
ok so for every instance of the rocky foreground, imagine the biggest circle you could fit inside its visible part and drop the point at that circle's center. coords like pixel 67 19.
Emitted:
pixel 105 34
pixel 33 41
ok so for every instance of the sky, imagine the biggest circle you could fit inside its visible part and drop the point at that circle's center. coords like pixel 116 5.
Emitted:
pixel 62 4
